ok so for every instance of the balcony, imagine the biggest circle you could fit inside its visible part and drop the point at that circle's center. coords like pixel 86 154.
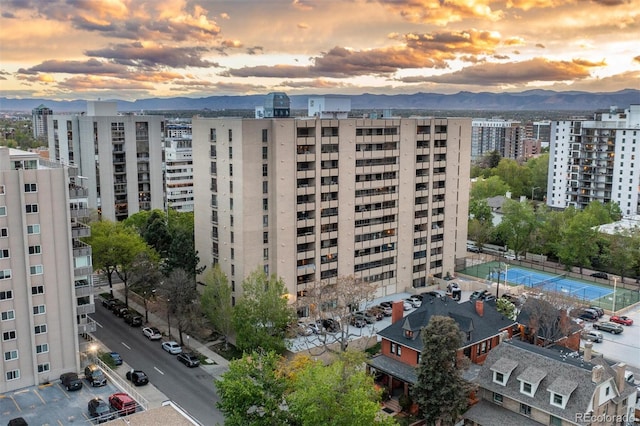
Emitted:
pixel 83 290
pixel 77 192
pixel 81 249
pixel 89 308
pixel 88 327
pixel 79 230
pixel 79 212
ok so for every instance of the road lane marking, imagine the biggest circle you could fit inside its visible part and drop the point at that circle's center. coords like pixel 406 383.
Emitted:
pixel 125 345
pixel 159 371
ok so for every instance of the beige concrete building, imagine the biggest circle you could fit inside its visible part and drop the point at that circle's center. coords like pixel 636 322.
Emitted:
pixel 45 271
pixel 312 199
pixel 119 154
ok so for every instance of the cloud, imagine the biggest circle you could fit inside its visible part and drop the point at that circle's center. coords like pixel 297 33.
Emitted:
pixel 8 15
pixel 303 26
pixel 537 69
pixel 514 41
pixel 224 15
pixel 540 45
pixel 40 78
pixel 231 43
pixel 302 5
pixel 637 59
pixel 318 83
pixel 254 50
pixel 139 55
pixel 91 66
pixel 442 12
pixel 85 83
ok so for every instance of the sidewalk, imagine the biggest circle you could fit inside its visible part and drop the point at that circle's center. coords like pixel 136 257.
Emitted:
pixel 215 365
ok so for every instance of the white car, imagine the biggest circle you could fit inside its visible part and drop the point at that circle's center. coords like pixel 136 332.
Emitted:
pixel 152 333
pixel 172 347
pixel 510 256
pixel 406 305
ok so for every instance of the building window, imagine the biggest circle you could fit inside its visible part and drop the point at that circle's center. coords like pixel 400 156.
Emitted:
pixel 265 220
pixel 5 274
pixel 557 400
pixel 233 254
pixel 35 270
pixel 265 187
pixel 265 135
pixel 230 203
pixel 399 350
pixel 212 135
pixel 525 409
pixel 3 210
pixel 35 250
pixel 525 388
pixel 43 348
pixel 6 294
pixel 43 368
pixel 498 377
pixel 4 232
pixel 265 204
pixel 230 135
pixel 39 310
pixel 497 398
pixel 1 189
pixel 38 289
pixel 265 254
pixel 265 237
pixel 31 208
pixel 232 237
pixel 555 421
pixel 233 270
pixel 4 253
pixel 9 335
pixel 264 153
pixel 393 348
pixel 265 170
pixel 230 153
pixel 8 315
pixel 40 329
pixel 230 169
pixel 12 375
pixel 30 187
pixel 33 229
pixel 230 187
pixel 9 355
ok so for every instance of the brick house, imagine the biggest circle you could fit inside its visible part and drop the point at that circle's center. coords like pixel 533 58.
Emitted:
pixel 543 324
pixel 523 384
pixel 480 323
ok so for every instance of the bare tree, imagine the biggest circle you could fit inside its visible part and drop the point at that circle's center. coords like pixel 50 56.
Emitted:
pixel 145 277
pixel 334 301
pixel 182 300
pixel 547 317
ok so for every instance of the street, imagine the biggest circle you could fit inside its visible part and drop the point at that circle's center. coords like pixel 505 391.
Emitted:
pixel 623 347
pixel 191 388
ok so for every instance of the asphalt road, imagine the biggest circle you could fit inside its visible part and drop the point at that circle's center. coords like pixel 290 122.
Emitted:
pixel 191 388
pixel 623 347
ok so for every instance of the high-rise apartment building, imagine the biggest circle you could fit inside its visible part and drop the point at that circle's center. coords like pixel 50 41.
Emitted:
pixel 496 134
pixel 39 121
pixel 596 160
pixel 178 154
pixel 120 155
pixel 45 270
pixel 311 199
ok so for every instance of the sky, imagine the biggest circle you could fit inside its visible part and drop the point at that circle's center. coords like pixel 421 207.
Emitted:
pixel 136 49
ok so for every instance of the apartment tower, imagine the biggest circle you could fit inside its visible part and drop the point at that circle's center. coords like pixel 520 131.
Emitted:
pixel 45 271
pixel 311 199
pixel 596 160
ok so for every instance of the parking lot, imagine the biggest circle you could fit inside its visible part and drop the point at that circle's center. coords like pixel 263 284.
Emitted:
pixel 52 404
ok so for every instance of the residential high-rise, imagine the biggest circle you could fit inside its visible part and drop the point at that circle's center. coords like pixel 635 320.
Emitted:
pixel 45 270
pixel 496 134
pixel 120 155
pixel 310 199
pixel 596 160
pixel 39 121
pixel 178 155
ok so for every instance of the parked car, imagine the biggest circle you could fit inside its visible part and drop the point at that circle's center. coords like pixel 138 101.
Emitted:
pixel 385 305
pixel 510 256
pixel 415 301
pixel 303 329
pixel 358 322
pixel 478 294
pixel 108 303
pixel 115 356
pixel 588 316
pixel 137 377
pixel 488 297
pixel 94 375
pixel 370 319
pixel 440 294
pixel 152 333
pixel 71 381
pixel 189 359
pixel 120 311
pixel 406 305
pixel 122 403
pixel 172 347
pixel 473 248
pixel 621 320
pixel 134 320
pixel 598 310
pixel 100 410
pixel 592 335
pixel 600 275
pixel 376 312
pixel 329 324
pixel 610 327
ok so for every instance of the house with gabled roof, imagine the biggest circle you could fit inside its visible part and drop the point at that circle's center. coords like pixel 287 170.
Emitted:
pixel 524 384
pixel 481 325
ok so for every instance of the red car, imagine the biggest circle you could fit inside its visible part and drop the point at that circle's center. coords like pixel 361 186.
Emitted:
pixel 621 320
pixel 122 403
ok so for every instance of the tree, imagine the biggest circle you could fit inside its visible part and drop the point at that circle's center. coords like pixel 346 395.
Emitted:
pixel 341 393
pixel 104 256
pixel 489 187
pixel 182 300
pixel 518 223
pixel 336 300
pixel 440 391
pixel 262 313
pixel 579 242
pixel 546 317
pixel 182 252
pixel 516 176
pixel 252 391
pixel 127 246
pixel 156 232
pixel 538 172
pixel 506 308
pixel 216 302
pixel 145 278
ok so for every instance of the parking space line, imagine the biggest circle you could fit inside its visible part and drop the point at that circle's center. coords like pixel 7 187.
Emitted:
pixel 64 391
pixel 39 396
pixel 60 423
pixel 14 401
pixel 125 345
pixel 159 371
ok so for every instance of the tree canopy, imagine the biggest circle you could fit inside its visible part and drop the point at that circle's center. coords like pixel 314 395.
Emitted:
pixel 216 301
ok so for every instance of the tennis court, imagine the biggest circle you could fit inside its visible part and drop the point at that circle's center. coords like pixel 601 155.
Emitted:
pixel 557 283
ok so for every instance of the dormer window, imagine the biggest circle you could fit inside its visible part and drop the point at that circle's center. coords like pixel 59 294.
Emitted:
pixel 557 400
pixel 560 391
pixel 525 388
pixel 502 369
pixel 498 377
pixel 408 334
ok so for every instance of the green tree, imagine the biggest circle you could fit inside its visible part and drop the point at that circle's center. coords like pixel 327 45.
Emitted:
pixel 104 255
pixel 479 209
pixel 506 308
pixel 145 278
pixel 156 232
pixel 579 242
pixel 252 391
pixel 340 394
pixel 441 392
pixel 182 253
pixel 489 187
pixel 262 313
pixel 179 289
pixel 127 246
pixel 538 170
pixel 516 176
pixel 216 302
pixel 518 223
pixel 622 256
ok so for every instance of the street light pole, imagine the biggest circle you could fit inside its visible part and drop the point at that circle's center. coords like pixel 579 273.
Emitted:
pixel 168 317
pixel 615 284
pixel 532 190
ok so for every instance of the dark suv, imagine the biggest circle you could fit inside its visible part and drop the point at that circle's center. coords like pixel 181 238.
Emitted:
pixel 188 359
pixel 71 381
pixel 94 375
pixel 133 319
pixel 600 275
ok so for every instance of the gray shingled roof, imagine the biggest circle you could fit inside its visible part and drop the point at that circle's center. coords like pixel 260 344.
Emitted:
pixel 479 327
pixel 532 375
pixel 487 414
pixel 504 366
pixel 563 375
pixel 397 369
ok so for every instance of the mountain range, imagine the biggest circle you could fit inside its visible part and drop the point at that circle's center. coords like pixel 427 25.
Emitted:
pixel 531 100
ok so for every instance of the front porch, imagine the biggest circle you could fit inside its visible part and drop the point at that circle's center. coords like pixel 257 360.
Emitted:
pixel 396 379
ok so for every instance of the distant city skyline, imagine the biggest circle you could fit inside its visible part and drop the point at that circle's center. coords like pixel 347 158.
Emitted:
pixel 134 49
